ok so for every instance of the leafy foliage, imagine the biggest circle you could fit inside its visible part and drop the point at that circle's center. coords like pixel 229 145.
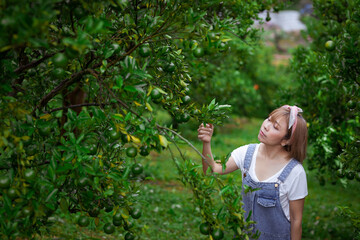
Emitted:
pixel 243 77
pixel 76 93
pixel 328 89
pixel 355 219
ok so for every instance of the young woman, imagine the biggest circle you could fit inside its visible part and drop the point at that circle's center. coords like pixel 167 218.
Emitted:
pixel 274 167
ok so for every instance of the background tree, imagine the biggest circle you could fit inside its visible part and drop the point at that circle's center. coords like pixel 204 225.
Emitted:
pixel 327 87
pixel 81 86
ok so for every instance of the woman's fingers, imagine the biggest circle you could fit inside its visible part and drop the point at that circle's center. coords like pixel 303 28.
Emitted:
pixel 208 125
pixel 204 137
pixel 204 131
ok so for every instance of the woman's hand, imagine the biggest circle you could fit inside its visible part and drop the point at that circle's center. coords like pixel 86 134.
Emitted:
pixel 205 133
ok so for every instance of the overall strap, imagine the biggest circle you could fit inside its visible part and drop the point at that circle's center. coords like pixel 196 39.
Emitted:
pixel 248 156
pixel 285 173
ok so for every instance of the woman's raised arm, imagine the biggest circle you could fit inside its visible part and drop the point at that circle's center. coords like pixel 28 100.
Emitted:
pixel 205 135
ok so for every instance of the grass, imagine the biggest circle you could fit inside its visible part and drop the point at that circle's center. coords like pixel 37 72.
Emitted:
pixel 168 211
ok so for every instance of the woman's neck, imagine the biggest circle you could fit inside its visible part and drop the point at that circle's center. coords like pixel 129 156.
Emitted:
pixel 273 152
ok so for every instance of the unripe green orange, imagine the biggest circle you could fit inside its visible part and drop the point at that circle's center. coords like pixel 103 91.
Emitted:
pixel 330 45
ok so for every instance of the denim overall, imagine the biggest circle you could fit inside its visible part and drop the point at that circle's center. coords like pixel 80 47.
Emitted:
pixel 264 203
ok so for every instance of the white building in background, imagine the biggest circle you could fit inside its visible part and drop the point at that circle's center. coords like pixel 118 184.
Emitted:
pixel 287 20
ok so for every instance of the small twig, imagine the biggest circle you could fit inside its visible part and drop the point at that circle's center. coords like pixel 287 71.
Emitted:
pixel 182 138
pixel 238 37
pixel 91 59
pixel 189 143
pixel 173 158
pixel 72 21
pixel 172 140
pixel 15 86
pixel 34 63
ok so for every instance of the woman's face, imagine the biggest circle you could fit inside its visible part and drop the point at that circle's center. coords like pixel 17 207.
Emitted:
pixel 272 132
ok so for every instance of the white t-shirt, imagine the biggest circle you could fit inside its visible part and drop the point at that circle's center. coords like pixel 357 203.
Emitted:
pixel 294 186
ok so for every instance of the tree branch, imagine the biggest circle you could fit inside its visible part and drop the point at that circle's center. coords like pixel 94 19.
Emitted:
pixel 64 84
pixel 78 105
pixel 184 139
pixel 34 63
pixel 173 141
pixel 76 76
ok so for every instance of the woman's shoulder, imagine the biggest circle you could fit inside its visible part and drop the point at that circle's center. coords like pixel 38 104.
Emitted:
pixel 299 167
pixel 297 171
pixel 244 148
pixel 296 183
pixel 239 155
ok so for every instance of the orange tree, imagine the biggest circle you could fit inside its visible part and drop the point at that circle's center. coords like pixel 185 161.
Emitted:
pixel 240 73
pixel 81 85
pixel 328 75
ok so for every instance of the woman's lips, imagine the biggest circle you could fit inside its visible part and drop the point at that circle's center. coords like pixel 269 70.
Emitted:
pixel 262 133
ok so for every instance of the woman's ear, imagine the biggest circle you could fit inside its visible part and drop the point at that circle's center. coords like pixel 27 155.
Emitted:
pixel 284 142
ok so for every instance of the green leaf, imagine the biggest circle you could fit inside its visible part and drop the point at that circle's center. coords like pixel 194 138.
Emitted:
pixel 52 174
pixel 142 74
pixel 80 138
pixel 102 69
pixel 196 166
pixel 68 126
pixel 249 216
pixel 108 192
pixel 130 88
pixel 114 176
pixel 65 168
pixel 109 53
pixel 64 206
pixel 211 105
pixel 51 194
pixel 221 213
pixel 236 201
pixel 126 173
pixel 163 141
pixel 115 116
pixel 162 91
pixel 225 189
pixel 83 115
pixel 223 107
pixel 98 113
pixel 211 181
pixel 119 82
pixel 72 115
pixel 69 156
pixel 89 170
pixel 72 138
pixel 53 162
